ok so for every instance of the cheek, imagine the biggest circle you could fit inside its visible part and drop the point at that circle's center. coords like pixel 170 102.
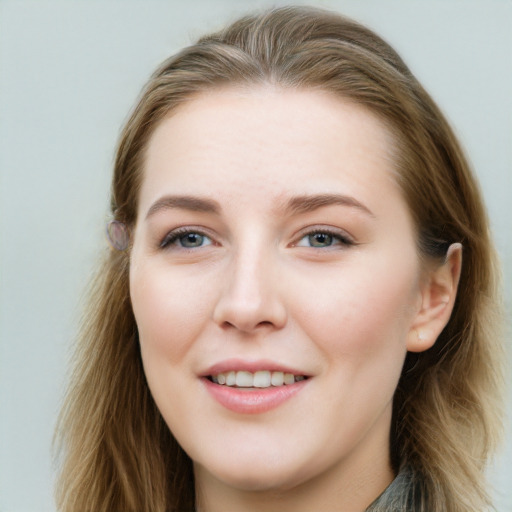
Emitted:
pixel 169 311
pixel 364 313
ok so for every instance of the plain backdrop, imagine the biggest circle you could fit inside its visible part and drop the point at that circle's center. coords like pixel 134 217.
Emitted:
pixel 69 74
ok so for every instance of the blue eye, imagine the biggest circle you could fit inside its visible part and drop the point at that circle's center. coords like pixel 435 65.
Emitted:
pixel 323 239
pixel 186 239
pixel 320 240
pixel 191 240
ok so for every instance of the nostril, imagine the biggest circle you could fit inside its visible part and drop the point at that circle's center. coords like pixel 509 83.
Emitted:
pixel 247 326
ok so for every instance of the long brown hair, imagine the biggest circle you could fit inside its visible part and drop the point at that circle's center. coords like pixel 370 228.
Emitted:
pixel 117 452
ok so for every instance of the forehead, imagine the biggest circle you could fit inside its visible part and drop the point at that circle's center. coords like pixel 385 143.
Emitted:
pixel 279 142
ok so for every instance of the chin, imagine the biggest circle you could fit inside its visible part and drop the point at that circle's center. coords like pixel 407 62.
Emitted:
pixel 248 477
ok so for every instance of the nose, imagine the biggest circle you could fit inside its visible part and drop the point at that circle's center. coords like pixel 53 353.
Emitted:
pixel 251 300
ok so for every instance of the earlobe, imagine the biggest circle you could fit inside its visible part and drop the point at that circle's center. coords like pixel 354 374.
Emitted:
pixel 438 295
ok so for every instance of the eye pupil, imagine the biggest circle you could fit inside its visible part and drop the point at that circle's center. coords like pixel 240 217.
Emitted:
pixel 192 240
pixel 320 239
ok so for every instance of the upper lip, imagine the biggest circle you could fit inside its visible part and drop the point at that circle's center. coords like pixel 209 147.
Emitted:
pixel 250 366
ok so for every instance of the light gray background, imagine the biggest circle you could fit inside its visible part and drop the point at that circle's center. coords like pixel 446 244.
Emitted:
pixel 69 73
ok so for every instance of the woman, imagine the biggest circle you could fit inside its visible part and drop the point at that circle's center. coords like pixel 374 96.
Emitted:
pixel 300 311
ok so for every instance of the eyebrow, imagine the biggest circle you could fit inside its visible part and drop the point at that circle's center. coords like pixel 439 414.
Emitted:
pixel 296 205
pixel 308 203
pixel 196 204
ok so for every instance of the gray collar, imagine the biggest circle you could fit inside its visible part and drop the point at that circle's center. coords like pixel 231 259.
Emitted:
pixel 404 494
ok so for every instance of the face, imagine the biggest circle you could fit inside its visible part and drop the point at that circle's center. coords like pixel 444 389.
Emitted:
pixel 274 279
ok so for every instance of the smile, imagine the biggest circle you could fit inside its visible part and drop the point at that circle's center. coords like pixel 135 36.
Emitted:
pixel 259 379
pixel 252 390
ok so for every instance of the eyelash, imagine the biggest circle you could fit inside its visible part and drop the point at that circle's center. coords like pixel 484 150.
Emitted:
pixel 341 237
pixel 175 236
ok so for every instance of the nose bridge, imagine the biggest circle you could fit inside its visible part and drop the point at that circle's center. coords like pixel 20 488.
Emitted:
pixel 251 298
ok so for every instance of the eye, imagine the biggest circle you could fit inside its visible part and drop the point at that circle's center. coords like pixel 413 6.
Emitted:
pixel 323 239
pixel 186 238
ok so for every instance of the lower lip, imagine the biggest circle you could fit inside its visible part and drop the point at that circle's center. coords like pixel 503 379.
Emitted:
pixel 253 400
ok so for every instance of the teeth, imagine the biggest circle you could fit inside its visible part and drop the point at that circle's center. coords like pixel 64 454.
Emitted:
pixel 277 378
pixel 244 379
pixel 260 379
pixel 231 378
pixel 289 378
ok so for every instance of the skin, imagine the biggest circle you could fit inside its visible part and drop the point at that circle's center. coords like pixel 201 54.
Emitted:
pixel 344 312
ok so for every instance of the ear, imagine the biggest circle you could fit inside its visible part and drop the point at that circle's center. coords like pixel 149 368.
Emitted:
pixel 438 292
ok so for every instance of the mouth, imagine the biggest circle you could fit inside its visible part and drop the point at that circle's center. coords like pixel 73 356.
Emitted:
pixel 253 392
pixel 260 379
